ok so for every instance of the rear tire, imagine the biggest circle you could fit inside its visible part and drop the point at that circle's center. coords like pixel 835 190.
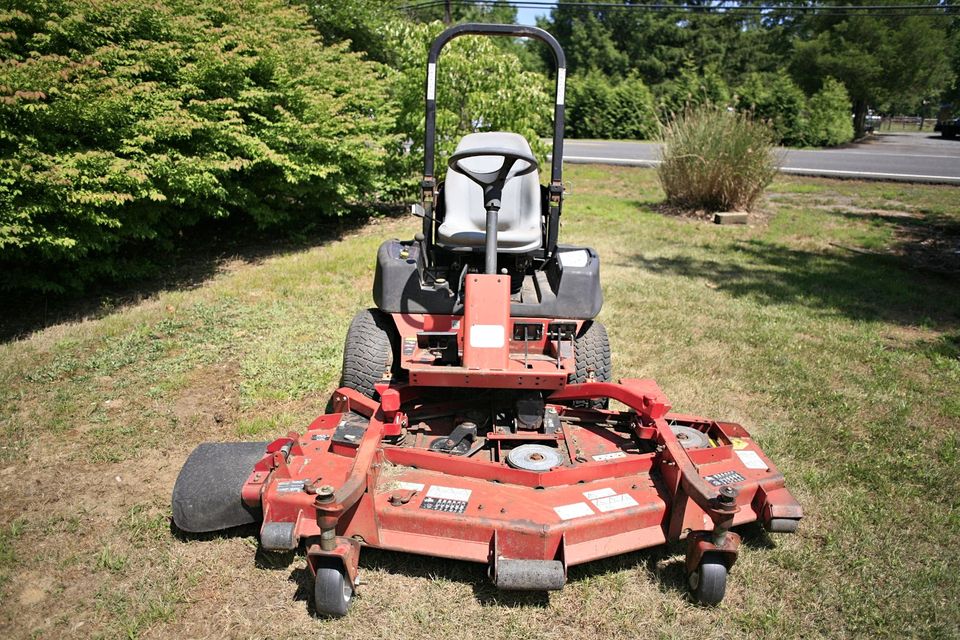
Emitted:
pixel 592 353
pixel 369 351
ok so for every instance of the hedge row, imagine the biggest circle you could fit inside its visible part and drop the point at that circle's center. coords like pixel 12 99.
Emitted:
pixel 601 108
pixel 823 120
pixel 122 124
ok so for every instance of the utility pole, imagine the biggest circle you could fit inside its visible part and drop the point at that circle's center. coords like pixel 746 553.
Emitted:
pixel 446 12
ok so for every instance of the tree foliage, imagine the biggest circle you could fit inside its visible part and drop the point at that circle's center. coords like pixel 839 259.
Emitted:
pixel 480 87
pixel 880 60
pixel 122 124
pixel 691 88
pixel 776 99
pixel 884 61
pixel 828 122
pixel 597 108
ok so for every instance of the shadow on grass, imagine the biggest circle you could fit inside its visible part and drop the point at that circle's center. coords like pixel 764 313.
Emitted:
pixel 242 531
pixel 197 258
pixel 929 242
pixel 863 287
pixel 303 579
pixel 665 563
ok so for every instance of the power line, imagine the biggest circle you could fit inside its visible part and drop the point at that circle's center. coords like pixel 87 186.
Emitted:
pixel 720 8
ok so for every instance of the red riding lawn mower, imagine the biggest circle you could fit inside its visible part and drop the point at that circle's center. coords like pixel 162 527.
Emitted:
pixel 472 421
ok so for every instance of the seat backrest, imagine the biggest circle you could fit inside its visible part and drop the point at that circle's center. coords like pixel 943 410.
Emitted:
pixel 519 223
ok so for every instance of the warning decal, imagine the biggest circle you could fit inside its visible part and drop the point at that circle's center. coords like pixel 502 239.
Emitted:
pixel 446 499
pixel 290 486
pixel 575 510
pixel 449 493
pixel 444 504
pixel 612 503
pixel 751 460
pixel 726 477
pixel 610 456
pixel 599 493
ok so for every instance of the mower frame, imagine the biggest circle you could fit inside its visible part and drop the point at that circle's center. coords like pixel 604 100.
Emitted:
pixel 491 446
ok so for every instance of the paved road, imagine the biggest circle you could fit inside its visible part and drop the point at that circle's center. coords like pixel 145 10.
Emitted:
pixel 911 157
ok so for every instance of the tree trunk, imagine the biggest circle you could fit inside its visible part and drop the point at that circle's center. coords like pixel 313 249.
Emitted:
pixel 859 118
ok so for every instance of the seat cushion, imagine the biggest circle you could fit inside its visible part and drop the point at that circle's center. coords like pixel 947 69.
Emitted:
pixel 519 224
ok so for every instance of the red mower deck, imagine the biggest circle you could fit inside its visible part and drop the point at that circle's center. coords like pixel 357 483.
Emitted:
pixel 619 481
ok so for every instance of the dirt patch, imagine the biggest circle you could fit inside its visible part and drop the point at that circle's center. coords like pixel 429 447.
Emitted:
pixel 847 208
pixel 35 590
pixel 931 247
pixel 754 218
pixel 211 397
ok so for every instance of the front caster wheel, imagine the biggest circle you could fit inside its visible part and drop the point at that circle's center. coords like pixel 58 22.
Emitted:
pixel 332 592
pixel 709 582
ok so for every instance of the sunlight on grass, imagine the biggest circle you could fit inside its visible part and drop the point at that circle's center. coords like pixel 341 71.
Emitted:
pixel 810 326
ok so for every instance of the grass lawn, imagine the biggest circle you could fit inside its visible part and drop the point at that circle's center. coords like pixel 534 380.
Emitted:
pixel 829 328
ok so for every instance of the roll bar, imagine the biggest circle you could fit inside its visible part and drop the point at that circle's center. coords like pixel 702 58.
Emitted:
pixel 518 31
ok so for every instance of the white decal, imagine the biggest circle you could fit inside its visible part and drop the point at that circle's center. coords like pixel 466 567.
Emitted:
pixel 612 503
pixel 575 510
pixel 486 336
pixel 561 83
pixel 431 80
pixel 598 493
pixel 751 459
pixel 410 486
pixel 290 486
pixel 579 258
pixel 610 456
pixel 449 493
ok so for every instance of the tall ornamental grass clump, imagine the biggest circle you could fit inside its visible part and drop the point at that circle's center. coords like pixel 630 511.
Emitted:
pixel 716 160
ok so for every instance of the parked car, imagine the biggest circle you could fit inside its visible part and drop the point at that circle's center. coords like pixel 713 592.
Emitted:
pixel 947 124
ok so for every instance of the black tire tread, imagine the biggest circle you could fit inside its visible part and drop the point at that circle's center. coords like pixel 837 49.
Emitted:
pixel 327 592
pixel 591 350
pixel 713 580
pixel 368 351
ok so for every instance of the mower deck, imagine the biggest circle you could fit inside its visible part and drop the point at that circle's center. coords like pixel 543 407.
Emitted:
pixel 608 482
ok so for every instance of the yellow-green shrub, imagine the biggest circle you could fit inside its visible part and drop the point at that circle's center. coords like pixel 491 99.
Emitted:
pixel 123 123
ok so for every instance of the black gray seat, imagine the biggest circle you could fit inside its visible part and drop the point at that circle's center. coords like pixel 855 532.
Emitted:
pixel 519 225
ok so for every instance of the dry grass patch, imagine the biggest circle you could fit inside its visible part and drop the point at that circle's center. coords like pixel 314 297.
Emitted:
pixel 845 366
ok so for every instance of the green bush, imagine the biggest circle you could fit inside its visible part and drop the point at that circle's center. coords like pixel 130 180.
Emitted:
pixel 122 124
pixel 715 159
pixel 829 122
pixel 776 99
pixel 599 108
pixel 690 89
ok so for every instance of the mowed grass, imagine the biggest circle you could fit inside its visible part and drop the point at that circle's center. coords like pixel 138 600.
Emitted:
pixel 811 327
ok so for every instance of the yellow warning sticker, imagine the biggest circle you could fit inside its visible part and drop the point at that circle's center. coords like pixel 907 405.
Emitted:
pixel 738 443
